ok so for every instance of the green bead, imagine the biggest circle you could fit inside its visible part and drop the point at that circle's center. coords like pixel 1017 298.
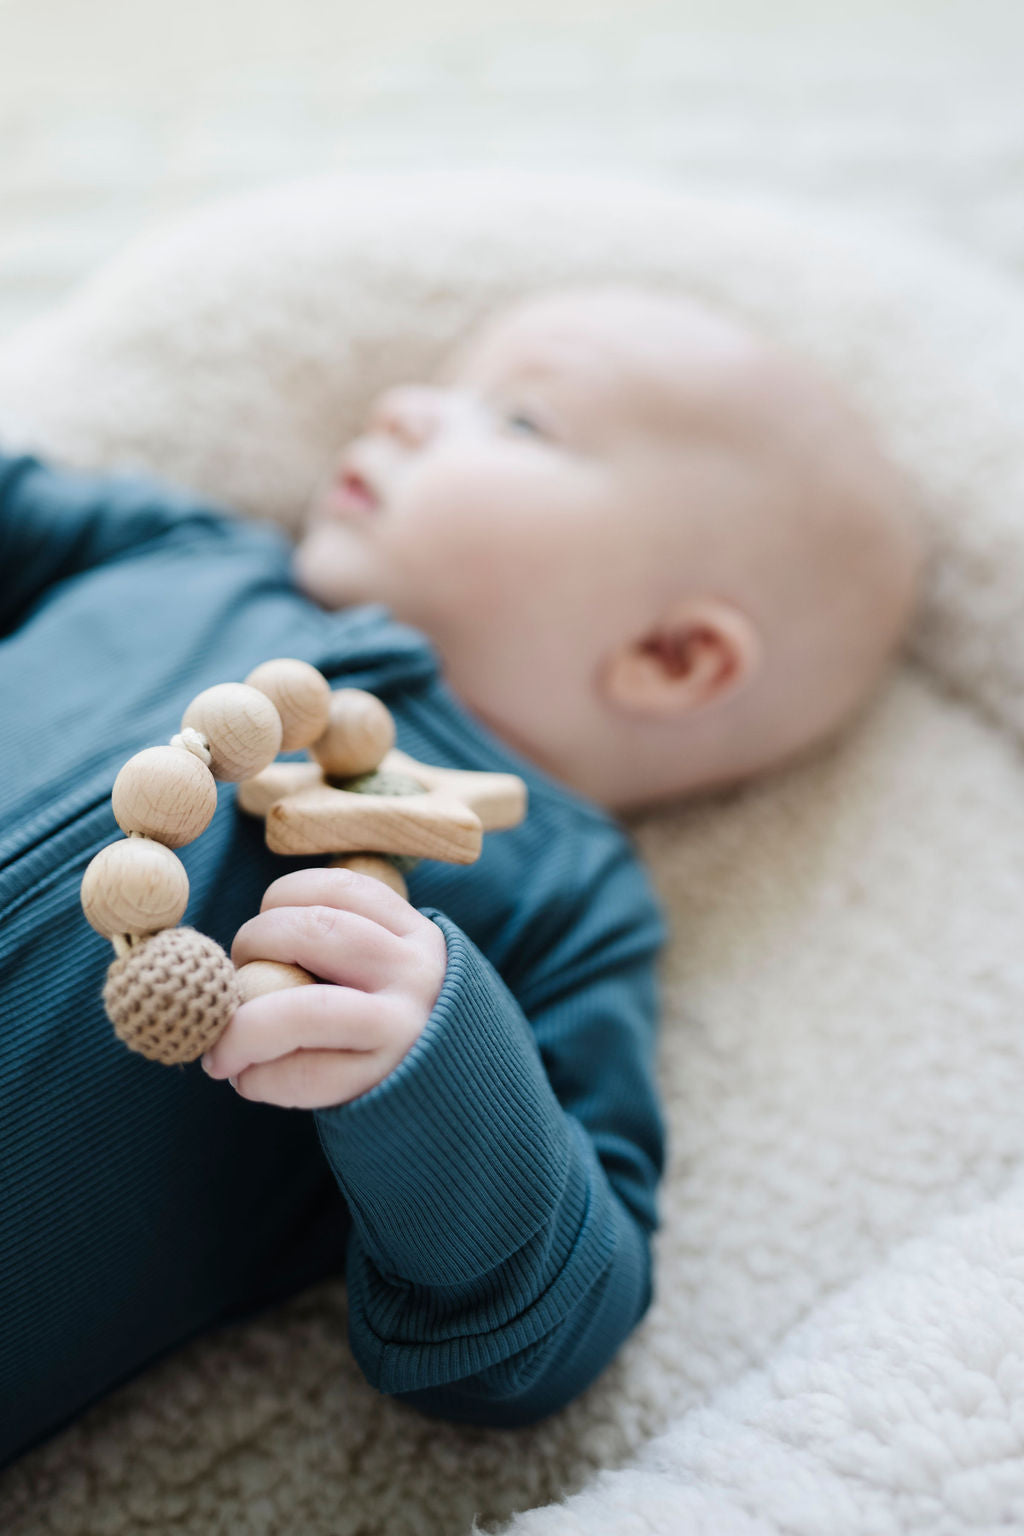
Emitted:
pixel 378 783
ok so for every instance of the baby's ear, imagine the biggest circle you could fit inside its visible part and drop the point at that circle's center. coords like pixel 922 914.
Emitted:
pixel 701 650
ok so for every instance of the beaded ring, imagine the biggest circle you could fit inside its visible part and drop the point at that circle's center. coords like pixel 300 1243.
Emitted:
pixel 170 992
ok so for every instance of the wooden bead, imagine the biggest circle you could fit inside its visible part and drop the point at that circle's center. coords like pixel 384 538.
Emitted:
pixel 260 976
pixel 372 864
pixel 165 793
pixel 359 732
pixel 300 694
pixel 134 886
pixel 241 725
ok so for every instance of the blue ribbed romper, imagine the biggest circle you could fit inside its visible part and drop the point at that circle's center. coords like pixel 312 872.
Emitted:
pixel 491 1202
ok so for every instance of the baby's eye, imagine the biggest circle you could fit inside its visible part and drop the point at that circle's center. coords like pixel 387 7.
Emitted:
pixel 522 421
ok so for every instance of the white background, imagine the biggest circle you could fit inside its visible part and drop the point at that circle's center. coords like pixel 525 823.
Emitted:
pixel 118 113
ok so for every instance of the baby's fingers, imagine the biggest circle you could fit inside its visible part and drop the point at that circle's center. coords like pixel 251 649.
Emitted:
pixel 310 1079
pixel 313 1018
pixel 348 889
pixel 330 942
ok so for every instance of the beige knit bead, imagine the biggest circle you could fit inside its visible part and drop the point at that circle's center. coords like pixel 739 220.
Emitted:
pixel 359 732
pixel 171 997
pixel 300 694
pixel 260 976
pixel 241 725
pixel 134 886
pixel 165 793
pixel 372 864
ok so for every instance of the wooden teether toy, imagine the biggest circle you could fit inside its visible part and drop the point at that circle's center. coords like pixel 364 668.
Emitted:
pixel 170 992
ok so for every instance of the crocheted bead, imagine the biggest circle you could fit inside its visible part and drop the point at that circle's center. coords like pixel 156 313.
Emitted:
pixel 240 724
pixel 134 886
pixel 171 997
pixel 165 793
pixel 359 732
pixel 300 694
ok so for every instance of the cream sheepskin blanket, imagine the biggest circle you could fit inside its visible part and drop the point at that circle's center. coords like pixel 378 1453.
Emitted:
pixel 837 1345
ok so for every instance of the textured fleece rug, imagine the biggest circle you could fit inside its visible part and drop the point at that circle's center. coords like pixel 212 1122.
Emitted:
pixel 836 1342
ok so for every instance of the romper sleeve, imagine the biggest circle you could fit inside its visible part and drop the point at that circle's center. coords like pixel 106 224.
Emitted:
pixel 501 1181
pixel 57 523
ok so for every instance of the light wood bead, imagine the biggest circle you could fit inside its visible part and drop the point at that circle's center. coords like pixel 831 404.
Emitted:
pixel 325 820
pixel 371 864
pixel 359 732
pixel 165 793
pixel 241 725
pixel 134 886
pixel 300 694
pixel 261 976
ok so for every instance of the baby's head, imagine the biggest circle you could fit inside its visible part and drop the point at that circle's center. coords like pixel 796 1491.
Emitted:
pixel 655 553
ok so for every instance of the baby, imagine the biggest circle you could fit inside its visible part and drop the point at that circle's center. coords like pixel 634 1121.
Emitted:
pixel 621 547
pixel 653 552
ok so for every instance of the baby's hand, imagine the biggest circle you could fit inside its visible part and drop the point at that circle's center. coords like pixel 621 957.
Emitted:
pixel 313 1046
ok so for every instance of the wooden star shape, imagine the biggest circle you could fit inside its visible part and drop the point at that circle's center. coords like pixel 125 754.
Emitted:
pixel 305 813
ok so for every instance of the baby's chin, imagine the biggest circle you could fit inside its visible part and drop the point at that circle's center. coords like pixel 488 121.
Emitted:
pixel 330 574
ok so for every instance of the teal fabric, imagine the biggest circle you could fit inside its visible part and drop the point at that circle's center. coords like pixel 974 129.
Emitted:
pixel 491 1202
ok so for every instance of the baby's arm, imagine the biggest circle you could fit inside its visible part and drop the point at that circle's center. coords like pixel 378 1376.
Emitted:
pixel 56 523
pixel 501 1178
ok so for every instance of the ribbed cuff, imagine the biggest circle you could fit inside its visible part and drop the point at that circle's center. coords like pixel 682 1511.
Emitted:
pixel 461 1154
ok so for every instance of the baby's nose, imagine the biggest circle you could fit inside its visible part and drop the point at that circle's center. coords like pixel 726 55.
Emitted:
pixel 410 412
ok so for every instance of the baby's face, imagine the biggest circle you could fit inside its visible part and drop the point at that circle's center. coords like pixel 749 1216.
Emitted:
pixel 528 510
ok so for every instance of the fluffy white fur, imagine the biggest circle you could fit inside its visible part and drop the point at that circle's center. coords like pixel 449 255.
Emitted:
pixel 836 1343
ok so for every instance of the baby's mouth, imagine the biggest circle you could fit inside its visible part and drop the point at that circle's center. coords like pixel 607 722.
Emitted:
pixel 352 492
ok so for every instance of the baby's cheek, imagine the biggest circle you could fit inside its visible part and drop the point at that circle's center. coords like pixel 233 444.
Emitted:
pixel 431 532
pixel 473 539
